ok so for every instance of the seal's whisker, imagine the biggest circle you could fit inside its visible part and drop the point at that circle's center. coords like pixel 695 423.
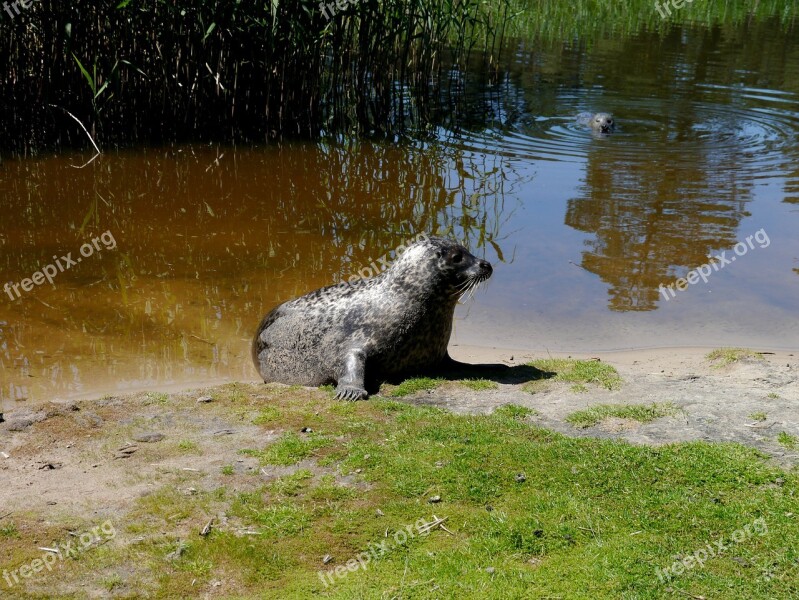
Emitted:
pixel 468 289
pixel 473 288
pixel 476 284
pixel 461 288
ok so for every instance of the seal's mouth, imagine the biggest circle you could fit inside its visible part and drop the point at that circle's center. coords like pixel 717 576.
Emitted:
pixel 483 272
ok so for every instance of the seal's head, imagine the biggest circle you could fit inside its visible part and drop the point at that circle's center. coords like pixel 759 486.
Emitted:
pixel 602 123
pixel 445 267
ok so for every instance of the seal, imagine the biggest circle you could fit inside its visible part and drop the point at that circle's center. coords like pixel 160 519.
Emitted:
pixel 373 329
pixel 599 122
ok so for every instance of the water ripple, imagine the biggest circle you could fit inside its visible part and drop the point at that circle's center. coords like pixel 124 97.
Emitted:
pixel 753 131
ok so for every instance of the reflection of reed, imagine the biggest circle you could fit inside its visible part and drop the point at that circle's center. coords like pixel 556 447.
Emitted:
pixel 401 192
pixel 202 253
pixel 648 227
pixel 657 209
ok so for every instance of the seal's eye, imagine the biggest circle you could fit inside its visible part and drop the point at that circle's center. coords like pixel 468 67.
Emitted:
pixel 457 257
pixel 610 121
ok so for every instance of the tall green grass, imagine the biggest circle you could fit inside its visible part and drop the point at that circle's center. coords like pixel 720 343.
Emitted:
pixel 232 70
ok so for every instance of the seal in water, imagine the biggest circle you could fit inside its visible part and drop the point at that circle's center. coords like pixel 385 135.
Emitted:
pixel 396 323
pixel 599 122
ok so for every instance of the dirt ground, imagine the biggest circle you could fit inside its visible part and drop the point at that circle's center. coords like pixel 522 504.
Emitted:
pixel 715 402
pixel 98 455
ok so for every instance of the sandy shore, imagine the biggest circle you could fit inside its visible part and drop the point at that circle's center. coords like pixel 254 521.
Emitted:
pixel 716 402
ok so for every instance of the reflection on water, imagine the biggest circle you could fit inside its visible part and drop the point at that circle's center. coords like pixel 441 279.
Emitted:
pixel 208 240
pixel 581 229
pixel 708 122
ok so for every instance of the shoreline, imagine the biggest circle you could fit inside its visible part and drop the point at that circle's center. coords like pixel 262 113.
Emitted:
pixel 635 359
pixel 668 356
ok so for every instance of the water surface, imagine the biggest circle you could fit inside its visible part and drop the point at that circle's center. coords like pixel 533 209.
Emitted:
pixel 582 230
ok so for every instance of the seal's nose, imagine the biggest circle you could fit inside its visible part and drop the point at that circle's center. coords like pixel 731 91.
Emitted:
pixel 486 267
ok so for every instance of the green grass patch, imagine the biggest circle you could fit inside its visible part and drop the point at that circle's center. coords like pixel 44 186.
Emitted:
pixel 270 414
pixel 589 519
pixel 155 398
pixel 329 491
pixel 111 582
pixel 412 386
pixel 514 411
pixel 643 413
pixel 291 485
pixel 9 530
pixel 230 392
pixel 721 357
pixel 786 440
pixel 479 385
pixel 188 446
pixel 758 416
pixel 291 448
pixel 578 372
pixel 271 520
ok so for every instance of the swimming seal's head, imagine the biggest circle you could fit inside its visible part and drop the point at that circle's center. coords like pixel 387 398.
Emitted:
pixel 602 123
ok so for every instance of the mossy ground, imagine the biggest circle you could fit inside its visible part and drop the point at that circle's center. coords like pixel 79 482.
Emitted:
pixel 577 372
pixel 643 413
pixel 588 518
pixel 721 357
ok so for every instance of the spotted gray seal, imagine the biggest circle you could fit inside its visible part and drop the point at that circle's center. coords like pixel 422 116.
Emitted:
pixel 598 122
pixel 349 334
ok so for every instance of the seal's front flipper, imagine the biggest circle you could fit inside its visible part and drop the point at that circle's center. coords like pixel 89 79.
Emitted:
pixel 351 384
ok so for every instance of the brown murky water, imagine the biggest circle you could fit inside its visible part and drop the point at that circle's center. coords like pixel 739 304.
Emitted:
pixel 201 241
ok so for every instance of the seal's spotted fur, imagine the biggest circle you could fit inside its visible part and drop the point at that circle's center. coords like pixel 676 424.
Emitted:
pixel 398 322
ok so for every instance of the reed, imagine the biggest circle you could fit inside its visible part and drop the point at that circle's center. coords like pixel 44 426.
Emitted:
pixel 140 71
pixel 166 71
